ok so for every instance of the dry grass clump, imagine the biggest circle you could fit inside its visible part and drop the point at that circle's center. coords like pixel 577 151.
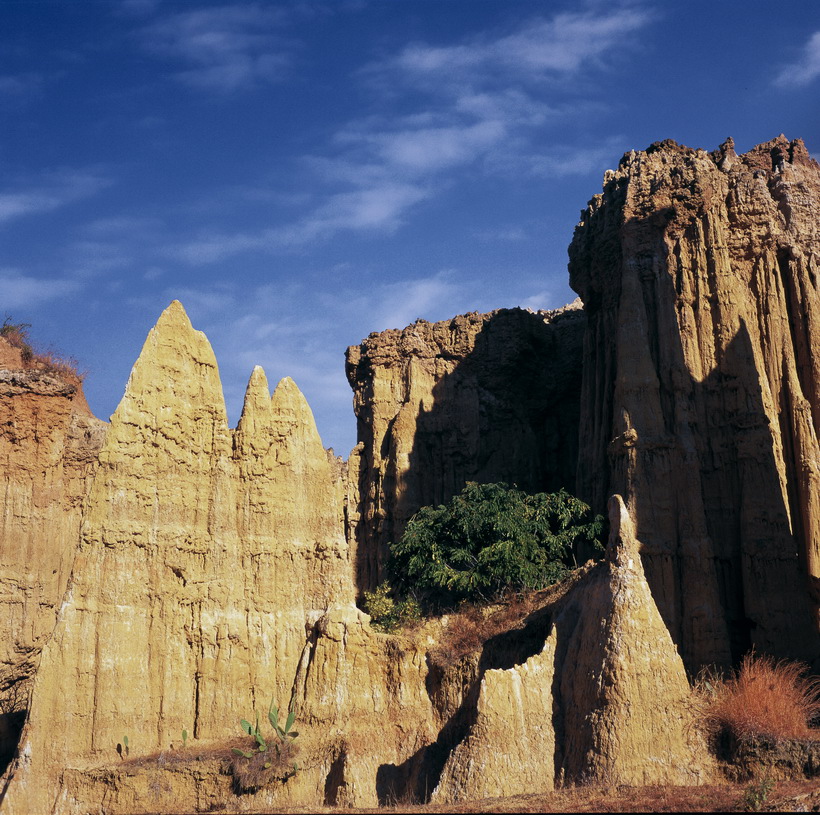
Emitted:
pixel 472 625
pixel 764 697
pixel 48 361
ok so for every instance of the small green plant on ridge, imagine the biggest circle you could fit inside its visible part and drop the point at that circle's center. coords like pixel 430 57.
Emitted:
pixel 270 758
pixel 386 614
pixel 757 794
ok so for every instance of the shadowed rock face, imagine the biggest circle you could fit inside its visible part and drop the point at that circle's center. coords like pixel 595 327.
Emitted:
pixel 701 389
pixel 481 397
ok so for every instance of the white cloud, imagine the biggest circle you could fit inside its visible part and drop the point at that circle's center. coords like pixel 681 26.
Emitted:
pixel 398 304
pixel 475 105
pixel 226 48
pixel 560 45
pixel 806 69
pixel 22 291
pixel 426 149
pixel 49 192
pixel 511 233
pixel 214 248
pixel 20 84
pixel 377 207
pixel 541 301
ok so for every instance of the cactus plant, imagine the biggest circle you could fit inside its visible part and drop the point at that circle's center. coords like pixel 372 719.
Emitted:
pixel 258 766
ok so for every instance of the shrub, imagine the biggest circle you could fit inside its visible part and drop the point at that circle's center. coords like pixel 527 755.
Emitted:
pixel 388 615
pixel 764 697
pixel 489 538
pixel 756 795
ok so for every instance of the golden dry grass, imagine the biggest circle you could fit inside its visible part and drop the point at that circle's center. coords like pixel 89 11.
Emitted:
pixel 48 360
pixel 764 697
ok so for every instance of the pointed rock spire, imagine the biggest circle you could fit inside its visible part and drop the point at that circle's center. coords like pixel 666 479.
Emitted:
pixel 292 416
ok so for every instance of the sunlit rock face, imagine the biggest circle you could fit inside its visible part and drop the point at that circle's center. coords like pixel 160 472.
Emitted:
pixel 202 554
pixel 48 452
pixel 701 389
pixel 481 397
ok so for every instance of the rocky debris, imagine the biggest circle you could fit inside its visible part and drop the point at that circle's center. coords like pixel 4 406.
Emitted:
pixel 197 567
pixel 701 392
pixel 48 452
pixel 481 397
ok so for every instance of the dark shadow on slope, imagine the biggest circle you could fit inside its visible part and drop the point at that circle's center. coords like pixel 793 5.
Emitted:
pixel 415 779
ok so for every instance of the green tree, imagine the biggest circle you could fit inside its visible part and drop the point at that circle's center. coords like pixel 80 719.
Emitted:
pixel 491 537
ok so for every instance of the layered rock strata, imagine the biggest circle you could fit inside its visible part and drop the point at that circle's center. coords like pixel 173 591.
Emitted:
pixel 590 690
pixel 701 389
pixel 481 397
pixel 48 448
pixel 202 555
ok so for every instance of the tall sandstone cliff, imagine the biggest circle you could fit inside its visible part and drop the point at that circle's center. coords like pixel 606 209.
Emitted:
pixel 481 397
pixel 212 574
pixel 701 386
pixel 201 557
pixel 48 451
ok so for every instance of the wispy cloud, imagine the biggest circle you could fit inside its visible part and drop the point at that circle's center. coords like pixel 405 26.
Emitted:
pixel 566 160
pixel 398 304
pixel 23 291
pixel 18 85
pixel 375 207
pixel 560 45
pixel 224 49
pixel 478 105
pixel 50 192
pixel 805 69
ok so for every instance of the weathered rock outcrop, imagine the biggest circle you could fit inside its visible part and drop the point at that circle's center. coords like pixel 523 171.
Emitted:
pixel 605 701
pixel 48 446
pixel 202 554
pixel 481 397
pixel 701 391
pixel 365 695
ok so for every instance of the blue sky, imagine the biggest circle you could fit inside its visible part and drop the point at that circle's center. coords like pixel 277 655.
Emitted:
pixel 300 174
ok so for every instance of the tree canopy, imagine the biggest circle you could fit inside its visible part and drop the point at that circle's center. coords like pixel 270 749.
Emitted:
pixel 490 537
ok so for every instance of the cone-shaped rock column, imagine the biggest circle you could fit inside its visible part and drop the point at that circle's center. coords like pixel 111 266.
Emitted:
pixel 606 701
